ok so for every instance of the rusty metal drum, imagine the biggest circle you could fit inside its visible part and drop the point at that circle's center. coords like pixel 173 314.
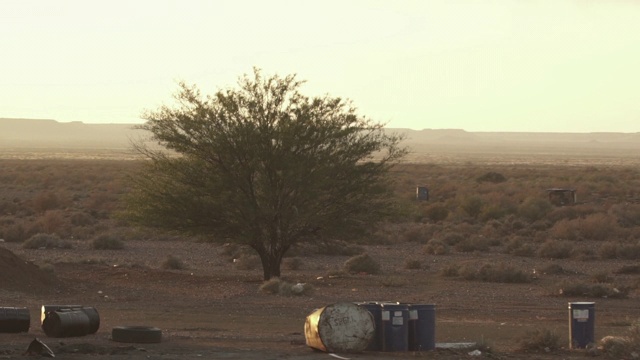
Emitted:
pixel 340 327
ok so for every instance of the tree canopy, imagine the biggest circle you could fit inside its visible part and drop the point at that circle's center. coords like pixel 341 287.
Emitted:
pixel 263 165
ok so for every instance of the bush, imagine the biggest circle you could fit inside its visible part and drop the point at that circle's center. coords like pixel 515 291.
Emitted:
pixel 437 213
pixel 472 244
pixel 492 177
pixel 555 249
pixel 362 264
pixel 173 263
pixel 412 264
pixel 393 281
pixel 539 341
pixel 294 263
pixel 334 248
pixel 573 289
pixel 46 241
pixel 534 208
pixel 107 242
pixel 502 273
pixel 247 262
pixel 276 286
pixel 472 206
pixel 435 247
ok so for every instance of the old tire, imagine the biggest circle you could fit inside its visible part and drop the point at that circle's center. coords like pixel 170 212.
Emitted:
pixel 136 334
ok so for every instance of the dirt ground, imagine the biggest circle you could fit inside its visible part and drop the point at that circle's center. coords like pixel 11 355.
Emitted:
pixel 212 310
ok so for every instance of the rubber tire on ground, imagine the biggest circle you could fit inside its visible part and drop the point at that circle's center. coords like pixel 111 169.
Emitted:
pixel 136 334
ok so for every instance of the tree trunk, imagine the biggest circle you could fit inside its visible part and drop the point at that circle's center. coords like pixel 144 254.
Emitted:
pixel 270 263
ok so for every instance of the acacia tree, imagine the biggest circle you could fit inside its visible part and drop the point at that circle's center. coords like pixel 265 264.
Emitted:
pixel 263 165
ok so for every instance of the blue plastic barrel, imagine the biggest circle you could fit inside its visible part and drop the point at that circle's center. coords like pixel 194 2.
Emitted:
pixel 395 327
pixel 422 326
pixel 582 318
pixel 375 309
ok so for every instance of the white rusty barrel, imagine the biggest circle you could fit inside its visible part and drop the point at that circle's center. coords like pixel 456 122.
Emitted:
pixel 344 327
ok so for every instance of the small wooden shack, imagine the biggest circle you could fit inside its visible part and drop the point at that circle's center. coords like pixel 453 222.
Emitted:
pixel 562 196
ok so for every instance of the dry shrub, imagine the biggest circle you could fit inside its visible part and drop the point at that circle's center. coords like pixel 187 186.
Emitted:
pixel 553 269
pixel 393 281
pixel 362 263
pixel 437 213
pixel 173 263
pixel 451 270
pixel 502 273
pixel 615 250
pixel 46 241
pixel 452 238
pixel 335 247
pixel 53 221
pixel 628 269
pixel 566 229
pixel 601 277
pixel 293 263
pixel 472 206
pixel 107 241
pixel 414 233
pixel 628 215
pixel 14 232
pixel 435 247
pixel 555 249
pixel 534 208
pixel 82 219
pixel 623 347
pixel 576 289
pixel 598 227
pixel 247 262
pixel 412 264
pixel 499 273
pixel 608 250
pixel 491 177
pixel 45 201
pixel 519 247
pixel 276 286
pixel 472 244
pixel 544 340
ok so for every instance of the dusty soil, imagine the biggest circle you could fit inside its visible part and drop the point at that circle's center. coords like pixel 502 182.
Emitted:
pixel 213 310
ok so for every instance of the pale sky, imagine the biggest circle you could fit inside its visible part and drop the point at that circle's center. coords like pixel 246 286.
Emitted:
pixel 477 65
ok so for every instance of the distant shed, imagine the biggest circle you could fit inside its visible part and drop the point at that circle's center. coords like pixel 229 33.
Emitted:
pixel 422 193
pixel 562 196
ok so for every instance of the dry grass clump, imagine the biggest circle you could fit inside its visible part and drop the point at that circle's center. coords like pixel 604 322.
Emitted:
pixel 277 286
pixel 394 281
pixel 628 269
pixel 539 340
pixel 107 241
pixel 46 241
pixel 472 244
pixel 362 263
pixel 437 213
pixel 412 264
pixel 499 273
pixel 436 247
pixel 534 208
pixel 553 269
pixel 617 250
pixel 292 263
pixel 555 249
pixel 173 263
pixel 247 262
pixel 573 289
pixel 336 247
pixel 622 347
pixel 519 247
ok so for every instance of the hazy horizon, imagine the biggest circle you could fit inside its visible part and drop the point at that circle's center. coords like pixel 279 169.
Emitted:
pixel 493 66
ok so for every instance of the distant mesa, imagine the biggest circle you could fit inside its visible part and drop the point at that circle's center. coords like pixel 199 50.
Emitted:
pixel 47 133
